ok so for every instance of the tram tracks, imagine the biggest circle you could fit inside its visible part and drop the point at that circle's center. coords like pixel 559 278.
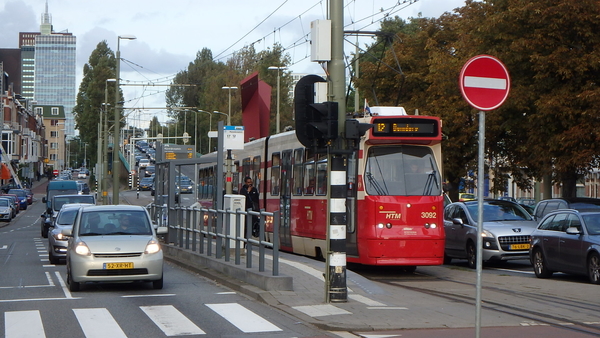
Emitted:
pixel 536 308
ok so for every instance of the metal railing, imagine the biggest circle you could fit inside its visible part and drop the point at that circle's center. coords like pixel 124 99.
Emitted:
pixel 204 230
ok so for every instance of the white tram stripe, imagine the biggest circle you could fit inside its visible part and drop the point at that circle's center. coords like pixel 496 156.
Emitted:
pixel 171 321
pixel 23 324
pixel 98 323
pixel 244 319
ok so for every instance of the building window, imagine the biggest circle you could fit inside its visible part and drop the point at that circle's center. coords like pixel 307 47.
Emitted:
pixel 39 111
pixel 53 157
pixel 54 110
pixel 53 133
pixel 54 145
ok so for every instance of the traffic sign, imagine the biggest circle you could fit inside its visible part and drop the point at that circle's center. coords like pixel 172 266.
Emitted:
pixel 484 82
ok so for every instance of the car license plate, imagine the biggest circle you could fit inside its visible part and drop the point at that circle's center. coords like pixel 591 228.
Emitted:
pixel 519 246
pixel 112 266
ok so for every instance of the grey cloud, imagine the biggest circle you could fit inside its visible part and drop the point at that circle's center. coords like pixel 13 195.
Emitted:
pixel 16 17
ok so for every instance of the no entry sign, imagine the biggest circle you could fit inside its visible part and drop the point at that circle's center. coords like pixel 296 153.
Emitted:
pixel 484 82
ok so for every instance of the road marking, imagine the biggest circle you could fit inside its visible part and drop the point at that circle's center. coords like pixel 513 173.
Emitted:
pixel 158 295
pixel 4 247
pixel 63 285
pixel 171 321
pixel 365 300
pixel 386 308
pixel 49 278
pixel 517 271
pixel 244 319
pixel 321 310
pixel 98 323
pixel 23 324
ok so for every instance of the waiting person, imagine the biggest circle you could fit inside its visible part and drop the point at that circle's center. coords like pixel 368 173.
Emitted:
pixel 251 193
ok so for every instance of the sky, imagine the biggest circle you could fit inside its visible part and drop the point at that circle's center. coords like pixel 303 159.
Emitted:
pixel 170 33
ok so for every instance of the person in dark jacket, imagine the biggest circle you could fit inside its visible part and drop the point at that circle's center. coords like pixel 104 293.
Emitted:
pixel 251 193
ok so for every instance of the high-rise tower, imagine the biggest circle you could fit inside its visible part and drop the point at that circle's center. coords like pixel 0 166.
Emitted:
pixel 48 68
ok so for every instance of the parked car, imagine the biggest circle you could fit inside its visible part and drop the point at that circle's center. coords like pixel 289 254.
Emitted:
pixel 149 170
pixel 143 162
pixel 526 201
pixel 544 207
pixel 92 255
pixel 21 195
pixel 567 241
pixel 15 209
pixel 6 210
pixel 29 196
pixel 506 231
pixel 16 201
pixel 463 197
pixel 57 242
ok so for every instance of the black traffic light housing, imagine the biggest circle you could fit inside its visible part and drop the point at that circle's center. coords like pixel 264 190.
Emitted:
pixel 316 123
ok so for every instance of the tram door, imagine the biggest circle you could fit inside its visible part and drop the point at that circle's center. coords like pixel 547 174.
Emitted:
pixel 351 207
pixel 285 200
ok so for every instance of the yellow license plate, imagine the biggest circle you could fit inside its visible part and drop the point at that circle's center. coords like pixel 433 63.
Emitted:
pixel 519 246
pixel 112 266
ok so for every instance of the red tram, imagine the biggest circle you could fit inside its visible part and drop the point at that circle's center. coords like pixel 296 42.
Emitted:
pixel 394 188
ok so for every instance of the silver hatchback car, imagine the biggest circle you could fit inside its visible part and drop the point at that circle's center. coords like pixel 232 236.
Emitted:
pixel 506 231
pixel 113 243
pixel 57 242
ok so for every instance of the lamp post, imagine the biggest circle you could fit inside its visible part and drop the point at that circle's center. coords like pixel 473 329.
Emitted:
pixel 117 121
pixel 277 118
pixel 85 154
pixel 229 115
pixel 198 143
pixel 105 145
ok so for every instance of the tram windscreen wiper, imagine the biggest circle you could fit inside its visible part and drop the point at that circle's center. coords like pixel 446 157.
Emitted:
pixel 431 180
pixel 373 181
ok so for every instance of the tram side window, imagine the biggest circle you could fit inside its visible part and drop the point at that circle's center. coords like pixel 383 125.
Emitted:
pixel 322 178
pixel 256 172
pixel 246 166
pixel 297 174
pixel 275 173
pixel 309 178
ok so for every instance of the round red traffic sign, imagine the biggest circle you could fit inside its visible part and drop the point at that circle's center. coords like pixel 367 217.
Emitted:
pixel 484 82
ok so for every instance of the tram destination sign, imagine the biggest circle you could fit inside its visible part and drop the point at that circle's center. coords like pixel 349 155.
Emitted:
pixel 178 152
pixel 402 127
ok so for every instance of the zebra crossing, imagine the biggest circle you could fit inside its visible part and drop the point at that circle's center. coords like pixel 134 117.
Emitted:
pixel 98 322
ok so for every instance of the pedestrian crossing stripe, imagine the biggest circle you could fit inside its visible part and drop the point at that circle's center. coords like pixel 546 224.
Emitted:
pixel 98 322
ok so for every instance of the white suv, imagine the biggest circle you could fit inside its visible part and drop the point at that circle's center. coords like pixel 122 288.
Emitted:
pixel 143 163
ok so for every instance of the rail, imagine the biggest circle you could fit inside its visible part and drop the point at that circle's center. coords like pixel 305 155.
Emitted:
pixel 216 232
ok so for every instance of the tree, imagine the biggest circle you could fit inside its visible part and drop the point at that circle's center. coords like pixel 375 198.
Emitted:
pixel 90 97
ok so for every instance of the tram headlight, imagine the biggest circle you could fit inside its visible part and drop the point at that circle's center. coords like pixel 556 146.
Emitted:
pixel 430 225
pixel 380 226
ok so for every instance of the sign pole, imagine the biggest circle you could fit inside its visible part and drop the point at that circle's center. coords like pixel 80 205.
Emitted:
pixel 484 84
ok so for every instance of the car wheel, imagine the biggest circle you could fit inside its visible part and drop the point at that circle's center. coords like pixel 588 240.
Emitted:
pixel 44 232
pixel 73 286
pixel 409 268
pixel 471 255
pixel 158 284
pixel 594 268
pixel 447 259
pixel 53 259
pixel 539 265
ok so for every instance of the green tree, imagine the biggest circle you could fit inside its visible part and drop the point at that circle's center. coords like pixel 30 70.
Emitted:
pixel 90 97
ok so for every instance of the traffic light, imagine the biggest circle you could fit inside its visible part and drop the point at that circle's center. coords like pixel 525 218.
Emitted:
pixel 316 123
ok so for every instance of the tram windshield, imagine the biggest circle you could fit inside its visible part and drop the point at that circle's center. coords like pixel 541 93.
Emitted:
pixel 402 171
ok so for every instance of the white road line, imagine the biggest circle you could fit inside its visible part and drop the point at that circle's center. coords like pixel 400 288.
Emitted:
pixel 365 300
pixel 49 278
pixel 98 323
pixel 63 285
pixel 171 321
pixel 244 319
pixel 23 324
pixel 157 295
pixel 321 310
pixel 4 247
pixel 485 82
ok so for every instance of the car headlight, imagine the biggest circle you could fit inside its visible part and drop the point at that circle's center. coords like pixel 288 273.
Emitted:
pixel 82 249
pixel 152 247
pixel 487 234
pixel 59 236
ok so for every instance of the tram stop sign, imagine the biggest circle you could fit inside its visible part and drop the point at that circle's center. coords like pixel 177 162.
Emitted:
pixel 484 82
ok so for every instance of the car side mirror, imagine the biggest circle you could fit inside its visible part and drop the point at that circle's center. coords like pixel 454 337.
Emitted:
pixel 458 221
pixel 43 199
pixel 67 231
pixel 162 230
pixel 573 231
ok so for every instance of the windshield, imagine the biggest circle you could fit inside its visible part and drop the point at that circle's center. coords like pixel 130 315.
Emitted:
pixel 18 192
pixel 60 200
pixel 402 171
pixel 494 211
pixel 67 217
pixel 4 203
pixel 109 223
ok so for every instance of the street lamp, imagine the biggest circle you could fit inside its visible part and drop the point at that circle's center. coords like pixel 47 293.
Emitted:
pixel 199 145
pixel 277 122
pixel 117 121
pixel 229 115
pixel 104 179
